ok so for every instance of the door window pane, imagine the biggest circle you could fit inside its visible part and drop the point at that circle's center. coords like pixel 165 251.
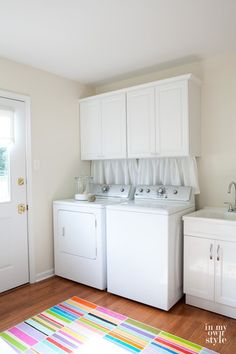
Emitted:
pixel 4 175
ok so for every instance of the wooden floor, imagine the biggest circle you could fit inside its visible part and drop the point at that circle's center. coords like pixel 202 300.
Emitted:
pixel 182 320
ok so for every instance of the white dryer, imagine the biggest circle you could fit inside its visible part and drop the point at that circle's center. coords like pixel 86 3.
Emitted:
pixel 80 235
pixel 145 245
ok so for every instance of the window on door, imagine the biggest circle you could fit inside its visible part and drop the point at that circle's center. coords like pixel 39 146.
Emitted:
pixel 4 175
pixel 6 140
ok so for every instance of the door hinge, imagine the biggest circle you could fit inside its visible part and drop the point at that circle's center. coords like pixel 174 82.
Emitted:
pixel 27 207
pixel 95 222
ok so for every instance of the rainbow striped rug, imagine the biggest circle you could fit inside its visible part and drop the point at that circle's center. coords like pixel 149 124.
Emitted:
pixel 79 326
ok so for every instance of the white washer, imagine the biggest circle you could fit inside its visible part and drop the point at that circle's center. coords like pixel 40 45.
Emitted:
pixel 80 235
pixel 145 245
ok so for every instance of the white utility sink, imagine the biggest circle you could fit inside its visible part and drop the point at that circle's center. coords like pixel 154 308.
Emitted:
pixel 209 260
pixel 214 213
pixel 211 221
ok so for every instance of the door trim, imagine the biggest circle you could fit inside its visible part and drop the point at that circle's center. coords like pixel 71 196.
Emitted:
pixel 31 246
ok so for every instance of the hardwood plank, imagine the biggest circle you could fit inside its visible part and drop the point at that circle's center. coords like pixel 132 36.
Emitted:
pixel 182 320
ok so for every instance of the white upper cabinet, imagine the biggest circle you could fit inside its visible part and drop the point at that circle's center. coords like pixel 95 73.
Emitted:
pixel 113 110
pixel 103 127
pixel 141 122
pixel 172 128
pixel 162 117
pixel 164 120
pixel 90 129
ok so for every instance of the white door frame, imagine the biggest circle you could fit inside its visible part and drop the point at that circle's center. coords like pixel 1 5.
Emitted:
pixel 31 248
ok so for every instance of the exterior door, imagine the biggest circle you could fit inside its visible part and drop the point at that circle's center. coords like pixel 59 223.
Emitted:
pixel 199 267
pixel 14 269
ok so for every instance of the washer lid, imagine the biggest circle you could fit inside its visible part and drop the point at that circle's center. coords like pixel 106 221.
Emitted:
pixel 152 207
pixel 98 203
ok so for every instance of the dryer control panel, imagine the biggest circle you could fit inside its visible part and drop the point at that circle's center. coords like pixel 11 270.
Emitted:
pixel 113 190
pixel 158 192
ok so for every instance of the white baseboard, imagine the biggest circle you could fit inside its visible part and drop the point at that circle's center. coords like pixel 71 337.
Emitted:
pixel 44 275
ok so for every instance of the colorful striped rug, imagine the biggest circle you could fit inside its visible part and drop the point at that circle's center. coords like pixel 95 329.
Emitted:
pixel 79 326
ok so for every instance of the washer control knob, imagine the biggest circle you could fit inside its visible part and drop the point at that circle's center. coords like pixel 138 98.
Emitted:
pixel 122 189
pixel 140 190
pixel 175 191
pixel 161 190
pixel 105 188
pixel 148 190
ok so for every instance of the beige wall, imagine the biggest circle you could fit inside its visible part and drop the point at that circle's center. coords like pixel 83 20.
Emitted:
pixel 55 143
pixel 217 165
pixel 55 134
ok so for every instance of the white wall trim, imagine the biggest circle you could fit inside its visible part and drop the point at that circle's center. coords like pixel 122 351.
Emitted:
pixel 31 245
pixel 45 275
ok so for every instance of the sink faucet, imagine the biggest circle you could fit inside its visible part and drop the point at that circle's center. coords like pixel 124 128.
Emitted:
pixel 229 191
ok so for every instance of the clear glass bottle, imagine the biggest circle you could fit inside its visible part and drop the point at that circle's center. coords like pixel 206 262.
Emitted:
pixel 83 187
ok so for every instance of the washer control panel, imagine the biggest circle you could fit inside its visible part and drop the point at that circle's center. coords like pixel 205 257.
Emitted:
pixel 112 190
pixel 158 192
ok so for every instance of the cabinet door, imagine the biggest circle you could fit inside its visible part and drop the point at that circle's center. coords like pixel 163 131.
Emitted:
pixel 225 279
pixel 113 110
pixel 172 130
pixel 199 267
pixel 90 129
pixel 141 123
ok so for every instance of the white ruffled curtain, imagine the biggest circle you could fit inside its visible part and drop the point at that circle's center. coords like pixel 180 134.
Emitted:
pixel 168 171
pixel 115 171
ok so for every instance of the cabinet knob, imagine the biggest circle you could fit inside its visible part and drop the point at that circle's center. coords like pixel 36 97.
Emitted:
pixel 211 249
pixel 218 253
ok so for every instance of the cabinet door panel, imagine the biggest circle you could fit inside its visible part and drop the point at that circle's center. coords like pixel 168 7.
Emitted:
pixel 141 123
pixel 172 119
pixel 225 280
pixel 90 130
pixel 199 267
pixel 114 126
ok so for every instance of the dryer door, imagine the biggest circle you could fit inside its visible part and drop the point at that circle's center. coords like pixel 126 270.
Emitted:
pixel 77 233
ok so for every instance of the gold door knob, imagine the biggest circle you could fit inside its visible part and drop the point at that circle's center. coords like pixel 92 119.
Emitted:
pixel 21 181
pixel 21 208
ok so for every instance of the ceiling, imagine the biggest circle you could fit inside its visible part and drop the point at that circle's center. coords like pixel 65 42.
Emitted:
pixel 94 41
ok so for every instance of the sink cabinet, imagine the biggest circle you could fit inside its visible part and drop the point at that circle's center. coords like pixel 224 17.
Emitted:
pixel 225 273
pixel 210 264
pixel 198 267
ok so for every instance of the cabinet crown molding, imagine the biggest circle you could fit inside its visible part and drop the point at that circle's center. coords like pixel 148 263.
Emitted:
pixel 188 77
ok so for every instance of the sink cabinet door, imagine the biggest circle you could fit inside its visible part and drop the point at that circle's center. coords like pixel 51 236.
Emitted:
pixel 199 267
pixel 225 279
